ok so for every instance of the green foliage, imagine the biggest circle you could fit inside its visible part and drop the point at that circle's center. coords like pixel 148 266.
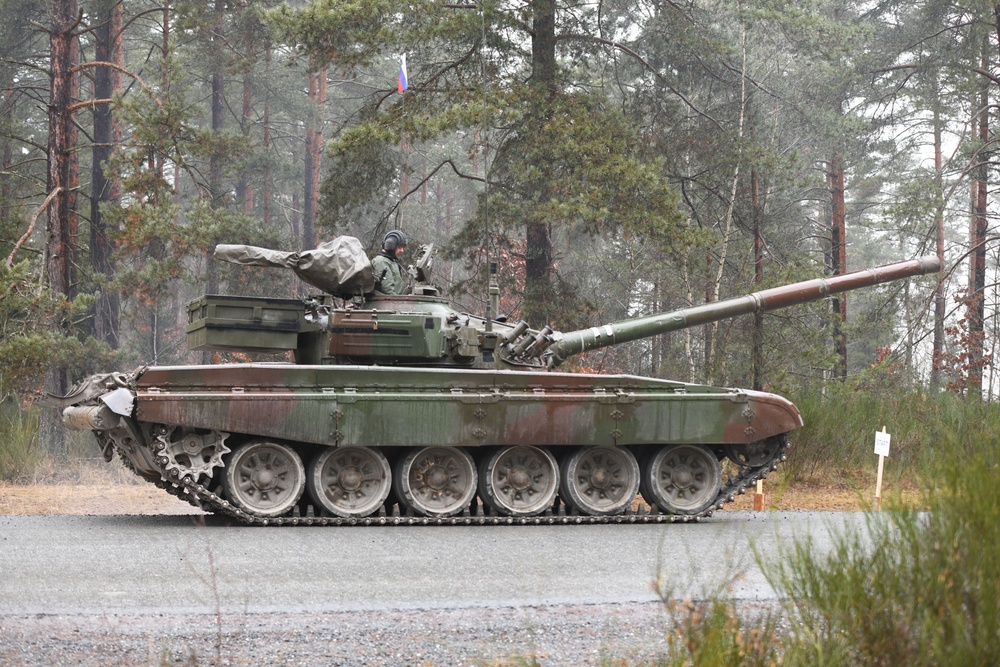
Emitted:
pixel 925 584
pixel 559 157
pixel 840 423
pixel 360 179
pixel 349 32
pixel 574 161
pixel 25 343
pixel 19 450
pixel 909 588
pixel 29 345
pixel 574 166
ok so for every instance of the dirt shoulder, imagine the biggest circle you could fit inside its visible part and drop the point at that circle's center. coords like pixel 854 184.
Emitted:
pixel 82 499
pixel 138 498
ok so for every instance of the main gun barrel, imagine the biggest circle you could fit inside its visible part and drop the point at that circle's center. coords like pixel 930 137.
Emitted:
pixel 575 342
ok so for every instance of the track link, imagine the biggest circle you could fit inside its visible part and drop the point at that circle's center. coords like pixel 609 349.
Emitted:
pixel 199 495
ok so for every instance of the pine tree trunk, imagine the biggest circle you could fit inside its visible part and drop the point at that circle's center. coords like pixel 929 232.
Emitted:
pixel 538 297
pixel 265 195
pixel 538 294
pixel 757 354
pixel 218 102
pixel 215 190
pixel 8 158
pixel 59 241
pixel 308 239
pixel 939 292
pixel 314 153
pixel 838 228
pixel 975 312
pixel 107 133
pixel 244 190
pixel 708 329
pixel 73 172
pixel 157 160
pixel 713 369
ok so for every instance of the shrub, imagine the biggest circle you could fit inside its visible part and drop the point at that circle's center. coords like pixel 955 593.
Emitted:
pixel 19 450
pixel 914 588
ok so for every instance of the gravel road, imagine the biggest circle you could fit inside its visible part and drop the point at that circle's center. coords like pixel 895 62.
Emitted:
pixel 556 635
pixel 151 590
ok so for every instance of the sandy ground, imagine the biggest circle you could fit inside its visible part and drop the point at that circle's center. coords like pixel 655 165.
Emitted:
pixel 101 498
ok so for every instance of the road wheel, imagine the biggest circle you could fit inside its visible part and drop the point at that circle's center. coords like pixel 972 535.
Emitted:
pixel 264 478
pixel 599 480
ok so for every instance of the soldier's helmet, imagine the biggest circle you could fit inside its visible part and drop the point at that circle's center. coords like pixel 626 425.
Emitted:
pixel 394 239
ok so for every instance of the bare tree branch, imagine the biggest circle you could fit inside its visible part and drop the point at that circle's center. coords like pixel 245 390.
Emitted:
pixel 649 68
pixel 31 226
pixel 119 68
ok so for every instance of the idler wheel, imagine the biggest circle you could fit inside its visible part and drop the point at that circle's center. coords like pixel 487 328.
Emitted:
pixel 682 479
pixel 599 480
pixel 349 481
pixel 264 478
pixel 436 481
pixel 753 455
pixel 519 481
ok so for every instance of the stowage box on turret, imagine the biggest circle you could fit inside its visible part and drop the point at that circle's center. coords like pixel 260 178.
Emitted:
pixel 401 410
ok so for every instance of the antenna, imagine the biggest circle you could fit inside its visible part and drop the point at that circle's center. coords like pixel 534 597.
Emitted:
pixel 492 287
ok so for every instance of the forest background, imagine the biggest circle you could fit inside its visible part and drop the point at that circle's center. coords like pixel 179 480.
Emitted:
pixel 615 158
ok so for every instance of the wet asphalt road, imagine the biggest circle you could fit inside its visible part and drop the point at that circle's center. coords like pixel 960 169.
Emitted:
pixel 169 564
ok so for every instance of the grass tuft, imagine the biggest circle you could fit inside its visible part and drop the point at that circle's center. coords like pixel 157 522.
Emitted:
pixel 713 632
pixel 840 424
pixel 20 454
pixel 912 587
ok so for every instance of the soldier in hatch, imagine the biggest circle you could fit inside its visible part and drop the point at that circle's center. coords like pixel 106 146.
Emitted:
pixel 388 270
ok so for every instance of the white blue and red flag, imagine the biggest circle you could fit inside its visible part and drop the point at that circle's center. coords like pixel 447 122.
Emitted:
pixel 402 76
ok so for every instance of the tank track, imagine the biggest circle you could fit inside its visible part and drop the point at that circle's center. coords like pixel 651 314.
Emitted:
pixel 201 496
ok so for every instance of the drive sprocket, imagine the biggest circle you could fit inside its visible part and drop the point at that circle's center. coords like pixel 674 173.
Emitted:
pixel 188 453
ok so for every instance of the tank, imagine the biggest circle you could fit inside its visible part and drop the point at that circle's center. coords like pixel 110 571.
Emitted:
pixel 403 410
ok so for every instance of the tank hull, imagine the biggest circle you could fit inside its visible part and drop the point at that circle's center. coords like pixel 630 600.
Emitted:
pixel 278 444
pixel 420 407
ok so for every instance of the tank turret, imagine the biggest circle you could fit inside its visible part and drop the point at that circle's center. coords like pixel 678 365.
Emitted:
pixel 424 330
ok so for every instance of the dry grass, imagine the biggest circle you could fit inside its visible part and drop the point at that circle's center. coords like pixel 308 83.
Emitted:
pixel 81 499
pixel 124 496
pixel 820 497
pixel 91 486
pixel 86 486
pixel 836 491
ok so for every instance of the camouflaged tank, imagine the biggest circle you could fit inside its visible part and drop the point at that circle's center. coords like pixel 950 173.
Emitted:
pixel 400 409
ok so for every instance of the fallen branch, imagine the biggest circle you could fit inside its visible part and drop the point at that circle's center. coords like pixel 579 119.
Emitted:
pixel 31 226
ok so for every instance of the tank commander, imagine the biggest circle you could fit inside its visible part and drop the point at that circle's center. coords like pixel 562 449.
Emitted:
pixel 386 266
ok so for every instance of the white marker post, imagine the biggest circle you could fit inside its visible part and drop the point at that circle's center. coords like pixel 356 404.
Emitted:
pixel 882 449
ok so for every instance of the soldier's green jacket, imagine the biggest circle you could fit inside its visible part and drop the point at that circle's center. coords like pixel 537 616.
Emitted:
pixel 388 275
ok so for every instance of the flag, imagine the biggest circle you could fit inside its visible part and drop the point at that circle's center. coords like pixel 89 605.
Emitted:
pixel 402 76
